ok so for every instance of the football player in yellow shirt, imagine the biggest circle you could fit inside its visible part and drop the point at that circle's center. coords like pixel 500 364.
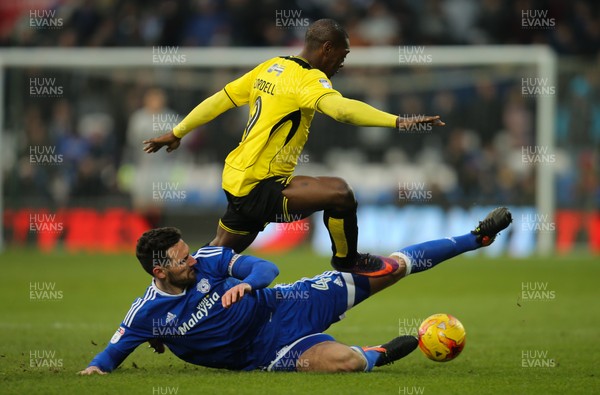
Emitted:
pixel 283 94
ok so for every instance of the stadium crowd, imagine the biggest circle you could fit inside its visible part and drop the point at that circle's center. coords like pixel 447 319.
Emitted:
pixel 98 122
pixel 254 23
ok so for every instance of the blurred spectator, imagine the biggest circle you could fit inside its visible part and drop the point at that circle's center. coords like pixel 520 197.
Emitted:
pixel 433 24
pixel 412 140
pixel 374 141
pixel 88 183
pixel 491 23
pixel 463 155
pixel 69 142
pixel 445 104
pixel 461 16
pixel 29 184
pixel 152 120
pixel 588 183
pixel 379 27
pixel 517 119
pixel 206 25
pixel 582 116
pixel 483 113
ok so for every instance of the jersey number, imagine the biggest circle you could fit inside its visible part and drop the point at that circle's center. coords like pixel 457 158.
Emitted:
pixel 321 283
pixel 293 117
pixel 254 117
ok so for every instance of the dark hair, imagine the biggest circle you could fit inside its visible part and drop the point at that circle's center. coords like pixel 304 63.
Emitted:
pixel 152 246
pixel 324 30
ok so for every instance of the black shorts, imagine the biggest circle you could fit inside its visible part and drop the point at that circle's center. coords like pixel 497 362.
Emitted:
pixel 252 213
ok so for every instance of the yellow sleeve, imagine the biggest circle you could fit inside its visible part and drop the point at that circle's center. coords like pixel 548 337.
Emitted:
pixel 355 112
pixel 239 90
pixel 314 86
pixel 204 112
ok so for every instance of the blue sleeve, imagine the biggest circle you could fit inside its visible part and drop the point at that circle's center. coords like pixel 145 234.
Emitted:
pixel 123 342
pixel 223 262
pixel 214 261
pixel 254 271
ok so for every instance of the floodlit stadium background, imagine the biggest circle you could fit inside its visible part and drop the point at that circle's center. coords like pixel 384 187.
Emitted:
pixel 74 176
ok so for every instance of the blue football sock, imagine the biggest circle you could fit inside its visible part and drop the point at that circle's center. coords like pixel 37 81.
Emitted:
pixel 371 356
pixel 426 255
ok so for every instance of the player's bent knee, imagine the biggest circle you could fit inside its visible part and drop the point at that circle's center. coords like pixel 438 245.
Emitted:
pixel 343 194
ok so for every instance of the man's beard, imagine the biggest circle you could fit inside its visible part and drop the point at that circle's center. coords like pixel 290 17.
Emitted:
pixel 181 282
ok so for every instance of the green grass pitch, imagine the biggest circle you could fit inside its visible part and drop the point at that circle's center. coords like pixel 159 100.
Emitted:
pixel 543 343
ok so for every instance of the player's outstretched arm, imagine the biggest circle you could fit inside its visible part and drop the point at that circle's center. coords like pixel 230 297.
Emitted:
pixel 361 114
pixel 90 370
pixel 204 112
pixel 125 340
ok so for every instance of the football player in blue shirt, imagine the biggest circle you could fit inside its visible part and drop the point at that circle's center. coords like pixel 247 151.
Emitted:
pixel 212 308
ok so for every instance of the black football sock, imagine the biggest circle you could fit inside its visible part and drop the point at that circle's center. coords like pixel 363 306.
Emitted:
pixel 343 232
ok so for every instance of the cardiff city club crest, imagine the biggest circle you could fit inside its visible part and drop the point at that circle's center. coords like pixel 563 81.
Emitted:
pixel 203 286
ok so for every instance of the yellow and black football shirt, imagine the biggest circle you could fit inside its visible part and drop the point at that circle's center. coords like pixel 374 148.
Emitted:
pixel 283 94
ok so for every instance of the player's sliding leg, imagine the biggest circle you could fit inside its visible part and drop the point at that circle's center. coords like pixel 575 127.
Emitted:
pixel 496 221
pixel 418 258
pixel 334 196
pixel 389 352
pixel 423 256
pixel 331 356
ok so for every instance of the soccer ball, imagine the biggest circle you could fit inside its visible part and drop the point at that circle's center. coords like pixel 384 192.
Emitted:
pixel 441 337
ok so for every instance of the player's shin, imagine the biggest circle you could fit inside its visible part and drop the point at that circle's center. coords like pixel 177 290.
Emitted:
pixel 424 256
pixel 343 232
pixel 370 357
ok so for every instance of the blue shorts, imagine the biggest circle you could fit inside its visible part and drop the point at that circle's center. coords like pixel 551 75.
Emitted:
pixel 306 308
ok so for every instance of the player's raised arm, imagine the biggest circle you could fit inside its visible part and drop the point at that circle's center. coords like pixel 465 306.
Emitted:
pixel 361 114
pixel 204 112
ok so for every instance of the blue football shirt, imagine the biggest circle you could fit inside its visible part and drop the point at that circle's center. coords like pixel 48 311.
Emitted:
pixel 195 326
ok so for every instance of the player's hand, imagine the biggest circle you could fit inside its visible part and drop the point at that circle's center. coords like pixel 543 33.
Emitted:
pixel 91 370
pixel 235 294
pixel 168 139
pixel 407 123
pixel 157 345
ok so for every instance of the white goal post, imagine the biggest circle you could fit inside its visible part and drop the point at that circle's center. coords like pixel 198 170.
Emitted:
pixel 541 57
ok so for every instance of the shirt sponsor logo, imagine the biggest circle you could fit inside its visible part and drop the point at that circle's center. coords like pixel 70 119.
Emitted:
pixel 204 307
